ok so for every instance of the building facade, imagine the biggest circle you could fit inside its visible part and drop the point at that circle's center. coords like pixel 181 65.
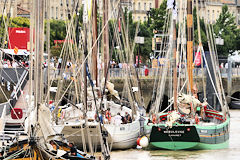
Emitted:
pixel 59 9
pixel 141 8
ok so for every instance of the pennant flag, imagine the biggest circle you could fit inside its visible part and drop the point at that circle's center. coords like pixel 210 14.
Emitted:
pixel 15 50
pixel 198 59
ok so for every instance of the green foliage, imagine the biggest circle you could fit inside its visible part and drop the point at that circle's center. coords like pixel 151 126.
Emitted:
pixel 202 30
pixel 57 30
pixel 157 16
pixel 19 22
pixel 226 28
pixel 56 50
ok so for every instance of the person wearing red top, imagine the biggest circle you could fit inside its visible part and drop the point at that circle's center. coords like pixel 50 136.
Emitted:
pixel 154 119
pixel 108 115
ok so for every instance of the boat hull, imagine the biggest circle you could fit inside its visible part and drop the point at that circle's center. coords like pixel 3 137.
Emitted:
pixel 76 133
pixel 188 145
pixel 124 136
pixel 181 137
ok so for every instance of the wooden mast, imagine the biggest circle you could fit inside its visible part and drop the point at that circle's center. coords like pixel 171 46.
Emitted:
pixel 105 37
pixel 94 36
pixel 174 65
pixel 39 49
pixel 32 17
pixel 48 51
pixel 190 44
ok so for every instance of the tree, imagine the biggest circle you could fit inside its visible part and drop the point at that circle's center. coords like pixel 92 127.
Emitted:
pixel 57 30
pixel 202 30
pixel 226 29
pixel 157 16
pixel 19 22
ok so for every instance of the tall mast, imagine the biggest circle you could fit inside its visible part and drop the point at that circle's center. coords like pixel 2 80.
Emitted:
pixel 32 17
pixel 174 65
pixel 94 31
pixel 190 43
pixel 39 49
pixel 48 50
pixel 105 36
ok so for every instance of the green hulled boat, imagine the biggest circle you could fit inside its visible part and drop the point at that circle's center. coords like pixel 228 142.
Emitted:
pixel 189 119
pixel 203 135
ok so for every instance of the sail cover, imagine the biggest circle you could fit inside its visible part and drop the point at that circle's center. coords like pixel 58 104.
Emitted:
pixel 45 122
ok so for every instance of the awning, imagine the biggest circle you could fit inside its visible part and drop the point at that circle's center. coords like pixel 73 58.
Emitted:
pixel 21 52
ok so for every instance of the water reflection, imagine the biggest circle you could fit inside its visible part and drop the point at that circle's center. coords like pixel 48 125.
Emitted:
pixel 233 152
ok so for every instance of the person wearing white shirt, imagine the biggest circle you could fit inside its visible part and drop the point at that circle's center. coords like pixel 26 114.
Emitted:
pixel 14 64
pixel 118 119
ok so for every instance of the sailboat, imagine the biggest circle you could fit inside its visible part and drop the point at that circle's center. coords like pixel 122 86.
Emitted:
pixel 41 141
pixel 80 122
pixel 188 121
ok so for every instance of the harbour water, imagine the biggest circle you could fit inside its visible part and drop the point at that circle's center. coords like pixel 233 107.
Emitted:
pixel 231 153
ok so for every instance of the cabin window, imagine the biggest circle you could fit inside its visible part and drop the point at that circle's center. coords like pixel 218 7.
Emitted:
pixel 122 128
pixel 139 6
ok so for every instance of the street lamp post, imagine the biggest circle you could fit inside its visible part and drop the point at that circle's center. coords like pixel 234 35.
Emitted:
pixel 148 15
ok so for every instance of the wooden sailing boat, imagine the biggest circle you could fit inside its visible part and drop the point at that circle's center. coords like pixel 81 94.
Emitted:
pixel 190 124
pixel 42 141
pixel 119 136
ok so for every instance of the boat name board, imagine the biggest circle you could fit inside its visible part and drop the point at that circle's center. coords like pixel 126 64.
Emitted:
pixel 174 133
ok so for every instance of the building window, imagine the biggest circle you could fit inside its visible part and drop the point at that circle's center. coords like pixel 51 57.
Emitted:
pixel 208 14
pixel 139 6
pixel 238 19
pixel 145 6
pixel 150 6
pixel 67 3
pixel 213 16
pixel 52 10
pixel 72 3
pixel 56 12
pixel 61 3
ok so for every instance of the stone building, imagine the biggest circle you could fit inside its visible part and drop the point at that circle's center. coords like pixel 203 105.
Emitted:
pixel 59 9
pixel 140 8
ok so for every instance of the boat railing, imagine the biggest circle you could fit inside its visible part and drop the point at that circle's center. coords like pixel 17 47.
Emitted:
pixel 19 87
pixel 152 72
pixel 3 108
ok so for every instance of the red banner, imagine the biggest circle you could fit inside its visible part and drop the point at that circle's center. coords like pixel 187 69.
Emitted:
pixel 18 38
pixel 198 59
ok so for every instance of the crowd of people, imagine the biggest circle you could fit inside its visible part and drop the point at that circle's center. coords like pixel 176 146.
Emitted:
pixel 120 118
pixel 6 63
